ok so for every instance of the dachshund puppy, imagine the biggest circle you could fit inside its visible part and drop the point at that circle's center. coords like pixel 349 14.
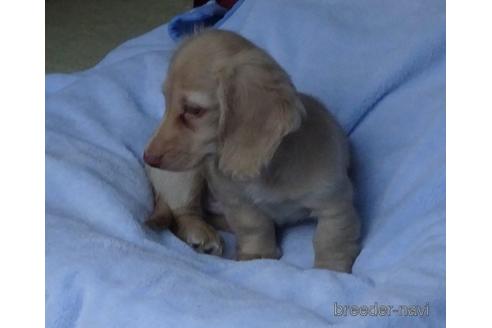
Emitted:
pixel 268 154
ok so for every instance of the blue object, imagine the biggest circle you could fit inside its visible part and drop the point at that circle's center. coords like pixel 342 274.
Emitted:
pixel 378 65
pixel 196 19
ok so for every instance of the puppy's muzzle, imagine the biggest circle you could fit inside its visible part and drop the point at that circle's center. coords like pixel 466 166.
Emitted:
pixel 152 160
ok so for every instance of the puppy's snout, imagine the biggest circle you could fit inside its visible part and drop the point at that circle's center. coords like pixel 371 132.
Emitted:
pixel 152 160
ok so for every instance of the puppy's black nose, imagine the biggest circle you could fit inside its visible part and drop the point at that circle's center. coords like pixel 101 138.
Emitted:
pixel 152 160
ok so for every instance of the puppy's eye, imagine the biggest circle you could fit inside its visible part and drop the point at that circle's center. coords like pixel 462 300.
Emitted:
pixel 193 110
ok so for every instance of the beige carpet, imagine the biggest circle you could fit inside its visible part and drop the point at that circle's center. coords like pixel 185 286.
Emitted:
pixel 80 32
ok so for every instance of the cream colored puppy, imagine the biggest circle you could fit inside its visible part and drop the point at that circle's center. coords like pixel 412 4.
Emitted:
pixel 269 155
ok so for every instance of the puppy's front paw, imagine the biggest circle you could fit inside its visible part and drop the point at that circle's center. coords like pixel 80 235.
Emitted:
pixel 201 237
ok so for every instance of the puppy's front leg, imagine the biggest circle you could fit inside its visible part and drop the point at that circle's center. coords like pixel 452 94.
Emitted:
pixel 255 232
pixel 336 237
pixel 178 198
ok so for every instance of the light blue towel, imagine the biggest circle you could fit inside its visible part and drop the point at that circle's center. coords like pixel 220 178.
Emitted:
pixel 379 65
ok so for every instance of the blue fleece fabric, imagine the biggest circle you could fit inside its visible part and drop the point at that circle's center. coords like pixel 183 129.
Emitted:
pixel 378 65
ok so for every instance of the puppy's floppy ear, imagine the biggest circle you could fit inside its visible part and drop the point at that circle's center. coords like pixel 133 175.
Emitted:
pixel 259 106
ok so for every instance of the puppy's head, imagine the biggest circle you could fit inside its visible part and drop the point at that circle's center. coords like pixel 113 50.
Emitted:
pixel 226 98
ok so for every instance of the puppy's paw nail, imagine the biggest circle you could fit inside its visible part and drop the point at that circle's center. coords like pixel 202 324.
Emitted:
pixel 206 240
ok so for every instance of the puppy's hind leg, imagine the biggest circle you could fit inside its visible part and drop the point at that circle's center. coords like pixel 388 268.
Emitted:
pixel 336 237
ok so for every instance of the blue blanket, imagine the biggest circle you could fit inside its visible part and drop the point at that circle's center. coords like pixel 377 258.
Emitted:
pixel 378 65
